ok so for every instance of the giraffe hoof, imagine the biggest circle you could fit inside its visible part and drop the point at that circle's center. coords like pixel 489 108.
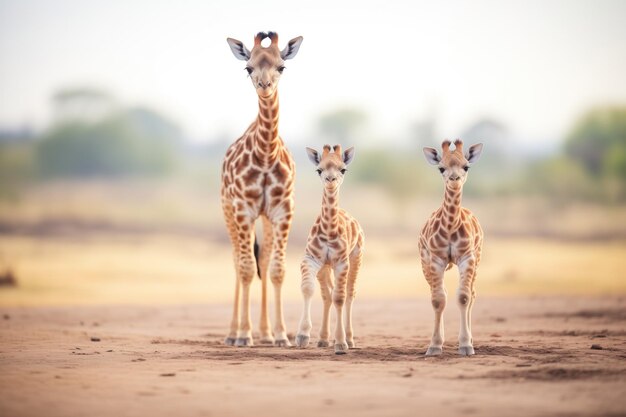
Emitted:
pixel 230 341
pixel 434 351
pixel 267 340
pixel 351 344
pixel 244 341
pixel 282 343
pixel 341 348
pixel 302 340
pixel 323 343
pixel 466 350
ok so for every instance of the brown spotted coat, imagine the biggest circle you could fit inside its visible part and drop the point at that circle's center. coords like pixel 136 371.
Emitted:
pixel 451 236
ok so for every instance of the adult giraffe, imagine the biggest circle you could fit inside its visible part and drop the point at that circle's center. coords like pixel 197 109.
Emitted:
pixel 257 181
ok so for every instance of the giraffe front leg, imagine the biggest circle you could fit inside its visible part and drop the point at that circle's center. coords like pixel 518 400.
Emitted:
pixel 465 295
pixel 309 269
pixel 232 233
pixel 324 279
pixel 277 273
pixel 246 272
pixel 264 260
pixel 355 265
pixel 231 339
pixel 339 299
pixel 434 275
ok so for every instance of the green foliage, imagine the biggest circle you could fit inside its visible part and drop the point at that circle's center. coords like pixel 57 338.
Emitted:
pixel 561 179
pixel 598 138
pixel 16 167
pixel 131 142
pixel 402 176
pixel 598 142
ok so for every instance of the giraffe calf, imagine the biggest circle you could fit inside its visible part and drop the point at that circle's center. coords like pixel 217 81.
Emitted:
pixel 452 235
pixel 334 247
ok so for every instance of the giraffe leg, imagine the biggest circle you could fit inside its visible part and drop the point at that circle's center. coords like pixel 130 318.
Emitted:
pixel 355 265
pixel 339 298
pixel 309 269
pixel 433 270
pixel 280 232
pixel 246 272
pixel 464 300
pixel 264 260
pixel 469 313
pixel 232 233
pixel 324 279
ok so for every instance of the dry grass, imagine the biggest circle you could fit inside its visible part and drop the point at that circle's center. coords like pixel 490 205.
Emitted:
pixel 174 269
pixel 148 242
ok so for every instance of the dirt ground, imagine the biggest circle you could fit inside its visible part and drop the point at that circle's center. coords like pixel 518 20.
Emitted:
pixel 534 356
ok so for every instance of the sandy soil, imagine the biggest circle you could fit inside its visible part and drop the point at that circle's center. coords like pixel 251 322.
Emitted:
pixel 534 357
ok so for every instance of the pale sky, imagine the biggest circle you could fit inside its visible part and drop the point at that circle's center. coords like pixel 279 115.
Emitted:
pixel 534 65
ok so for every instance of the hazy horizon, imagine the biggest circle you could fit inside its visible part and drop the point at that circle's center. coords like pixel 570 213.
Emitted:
pixel 533 66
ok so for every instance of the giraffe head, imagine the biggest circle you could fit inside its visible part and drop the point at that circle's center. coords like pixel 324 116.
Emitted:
pixel 331 165
pixel 265 64
pixel 454 165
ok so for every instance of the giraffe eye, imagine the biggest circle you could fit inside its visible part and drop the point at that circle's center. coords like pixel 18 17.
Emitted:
pixel 249 69
pixel 281 69
pixel 466 168
pixel 441 169
pixel 343 171
pixel 319 171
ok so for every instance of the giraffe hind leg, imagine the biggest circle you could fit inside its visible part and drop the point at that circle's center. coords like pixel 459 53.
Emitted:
pixel 355 265
pixel 324 278
pixel 263 265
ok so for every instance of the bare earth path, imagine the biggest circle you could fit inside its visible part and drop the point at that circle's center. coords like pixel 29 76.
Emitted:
pixel 534 357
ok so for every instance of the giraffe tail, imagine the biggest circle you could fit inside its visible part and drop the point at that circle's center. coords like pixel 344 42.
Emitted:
pixel 257 249
pixel 449 266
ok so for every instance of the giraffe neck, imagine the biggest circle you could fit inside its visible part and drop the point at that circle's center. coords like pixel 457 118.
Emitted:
pixel 452 207
pixel 267 140
pixel 330 208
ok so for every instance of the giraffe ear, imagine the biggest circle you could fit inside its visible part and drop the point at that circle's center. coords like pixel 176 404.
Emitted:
pixel 313 156
pixel 239 49
pixel 432 156
pixel 291 49
pixel 348 155
pixel 473 153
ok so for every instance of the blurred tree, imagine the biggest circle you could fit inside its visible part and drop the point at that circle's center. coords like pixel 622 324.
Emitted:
pixel 561 179
pixel 489 131
pixel 16 167
pixel 136 141
pixel 341 125
pixel 16 159
pixel 401 175
pixel 598 142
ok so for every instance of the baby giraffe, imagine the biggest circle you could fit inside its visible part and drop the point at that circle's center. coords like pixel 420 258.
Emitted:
pixel 335 245
pixel 452 235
